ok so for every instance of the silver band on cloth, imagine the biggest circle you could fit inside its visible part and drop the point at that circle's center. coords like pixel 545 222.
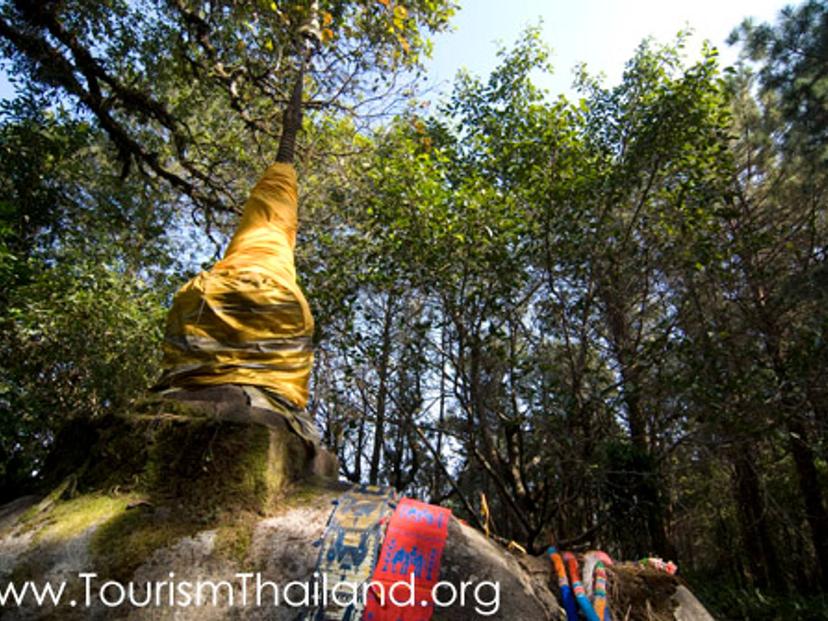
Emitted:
pixel 242 308
pixel 189 342
pixel 298 418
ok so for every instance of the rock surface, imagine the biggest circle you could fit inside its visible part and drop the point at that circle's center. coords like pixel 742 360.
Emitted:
pixel 281 550
pixel 226 503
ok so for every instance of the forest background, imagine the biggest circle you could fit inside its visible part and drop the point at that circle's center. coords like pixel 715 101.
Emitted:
pixel 597 319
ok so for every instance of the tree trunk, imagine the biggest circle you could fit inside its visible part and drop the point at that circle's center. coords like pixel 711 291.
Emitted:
pixel 762 559
pixel 382 395
pixel 644 481
pixel 811 492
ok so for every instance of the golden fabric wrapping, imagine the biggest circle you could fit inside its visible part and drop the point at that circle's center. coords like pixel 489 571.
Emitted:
pixel 245 321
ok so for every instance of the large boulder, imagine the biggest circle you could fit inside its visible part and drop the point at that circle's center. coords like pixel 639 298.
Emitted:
pixel 179 493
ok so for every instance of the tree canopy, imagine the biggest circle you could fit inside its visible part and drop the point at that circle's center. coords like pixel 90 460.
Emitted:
pixel 602 319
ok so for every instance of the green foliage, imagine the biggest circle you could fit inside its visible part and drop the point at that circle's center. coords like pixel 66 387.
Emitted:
pixel 80 339
pixel 794 68
pixel 36 158
pixel 740 604
pixel 191 94
pixel 607 315
pixel 83 291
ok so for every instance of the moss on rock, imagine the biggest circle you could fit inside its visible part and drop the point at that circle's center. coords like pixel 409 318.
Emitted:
pixel 123 543
pixel 70 518
pixel 204 467
pixel 234 538
pixel 168 471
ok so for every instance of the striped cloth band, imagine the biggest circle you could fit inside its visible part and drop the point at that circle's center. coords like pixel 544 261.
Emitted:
pixel 600 598
pixel 567 596
pixel 578 588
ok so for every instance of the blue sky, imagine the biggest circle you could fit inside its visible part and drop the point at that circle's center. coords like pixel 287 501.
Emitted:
pixel 601 33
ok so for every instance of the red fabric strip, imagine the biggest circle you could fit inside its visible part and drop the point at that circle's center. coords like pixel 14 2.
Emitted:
pixel 413 546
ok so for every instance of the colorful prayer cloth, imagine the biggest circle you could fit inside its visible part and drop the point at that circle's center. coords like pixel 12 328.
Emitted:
pixel 350 548
pixel 245 320
pixel 660 564
pixel 591 559
pixel 411 554
pixel 567 596
pixel 600 599
pixel 578 588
